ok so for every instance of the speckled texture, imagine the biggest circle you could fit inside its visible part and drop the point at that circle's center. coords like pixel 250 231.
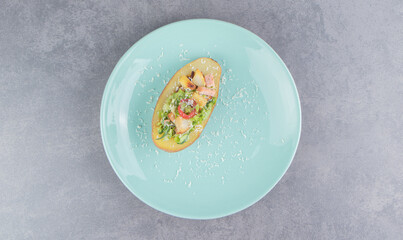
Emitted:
pixel 346 181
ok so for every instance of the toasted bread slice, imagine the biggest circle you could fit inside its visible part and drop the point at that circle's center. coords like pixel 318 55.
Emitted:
pixel 186 83
pixel 199 99
pixel 198 78
pixel 206 66
pixel 182 125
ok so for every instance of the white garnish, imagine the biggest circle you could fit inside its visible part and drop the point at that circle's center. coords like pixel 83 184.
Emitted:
pixel 198 128
pixel 162 54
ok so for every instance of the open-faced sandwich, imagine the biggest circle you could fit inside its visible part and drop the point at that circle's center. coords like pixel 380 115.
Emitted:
pixel 185 105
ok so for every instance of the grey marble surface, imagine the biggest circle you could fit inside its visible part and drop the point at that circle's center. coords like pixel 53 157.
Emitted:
pixel 346 181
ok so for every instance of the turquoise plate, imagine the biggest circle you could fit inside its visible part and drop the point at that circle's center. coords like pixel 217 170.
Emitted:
pixel 248 143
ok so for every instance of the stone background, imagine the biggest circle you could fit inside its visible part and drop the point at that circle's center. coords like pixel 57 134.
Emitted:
pixel 346 181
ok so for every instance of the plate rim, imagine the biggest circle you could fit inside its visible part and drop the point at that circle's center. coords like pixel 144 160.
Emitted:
pixel 102 125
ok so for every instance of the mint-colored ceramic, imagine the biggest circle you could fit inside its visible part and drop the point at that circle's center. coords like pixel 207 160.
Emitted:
pixel 246 146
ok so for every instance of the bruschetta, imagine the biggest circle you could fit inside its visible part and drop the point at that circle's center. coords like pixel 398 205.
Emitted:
pixel 185 105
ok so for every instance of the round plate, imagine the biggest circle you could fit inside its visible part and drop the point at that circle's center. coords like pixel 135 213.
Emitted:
pixel 246 146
